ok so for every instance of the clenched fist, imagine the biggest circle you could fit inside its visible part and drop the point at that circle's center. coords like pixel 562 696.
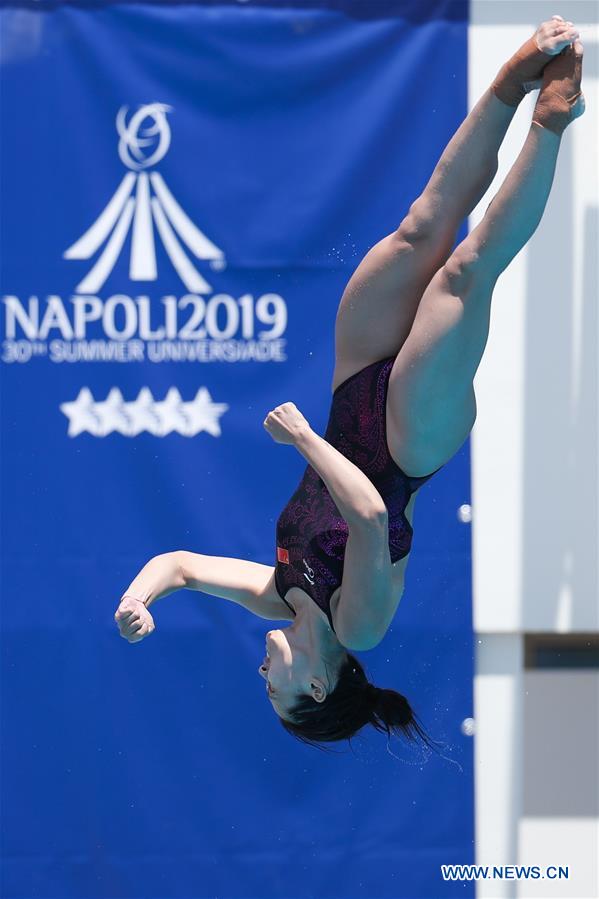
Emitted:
pixel 286 423
pixel 133 619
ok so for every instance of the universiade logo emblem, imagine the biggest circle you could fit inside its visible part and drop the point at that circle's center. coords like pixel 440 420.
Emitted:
pixel 140 233
pixel 142 202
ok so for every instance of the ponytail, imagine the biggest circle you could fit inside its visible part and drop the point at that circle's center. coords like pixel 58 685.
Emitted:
pixel 354 703
pixel 392 713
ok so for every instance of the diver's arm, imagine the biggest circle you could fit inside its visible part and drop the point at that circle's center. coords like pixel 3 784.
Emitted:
pixel 159 577
pixel 353 492
pixel 248 584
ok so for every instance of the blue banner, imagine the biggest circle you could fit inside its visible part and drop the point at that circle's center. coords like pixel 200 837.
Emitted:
pixel 186 189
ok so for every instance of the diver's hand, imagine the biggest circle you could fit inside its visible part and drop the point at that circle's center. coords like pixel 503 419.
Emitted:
pixel 133 619
pixel 286 424
pixel 554 35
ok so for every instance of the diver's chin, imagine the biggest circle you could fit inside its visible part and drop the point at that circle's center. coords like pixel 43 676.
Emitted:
pixel 275 641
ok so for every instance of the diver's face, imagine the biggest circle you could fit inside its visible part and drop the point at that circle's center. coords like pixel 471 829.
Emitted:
pixel 285 669
pixel 279 667
pixel 291 672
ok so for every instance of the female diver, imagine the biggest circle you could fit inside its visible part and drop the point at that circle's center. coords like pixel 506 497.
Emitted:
pixel 409 336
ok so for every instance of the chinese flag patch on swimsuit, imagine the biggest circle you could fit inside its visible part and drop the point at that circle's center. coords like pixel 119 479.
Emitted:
pixel 282 555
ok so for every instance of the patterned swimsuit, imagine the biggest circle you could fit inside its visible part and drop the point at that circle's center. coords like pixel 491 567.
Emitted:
pixel 310 533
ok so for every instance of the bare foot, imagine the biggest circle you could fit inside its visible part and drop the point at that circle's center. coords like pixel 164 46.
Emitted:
pixel 523 71
pixel 561 100
pixel 551 37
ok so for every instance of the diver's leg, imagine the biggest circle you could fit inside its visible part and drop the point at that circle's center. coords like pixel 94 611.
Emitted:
pixel 431 404
pixel 378 306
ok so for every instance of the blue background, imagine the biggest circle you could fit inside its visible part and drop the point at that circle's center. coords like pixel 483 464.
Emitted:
pixel 300 135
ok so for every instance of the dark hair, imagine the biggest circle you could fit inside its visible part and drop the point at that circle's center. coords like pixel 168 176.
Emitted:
pixel 353 703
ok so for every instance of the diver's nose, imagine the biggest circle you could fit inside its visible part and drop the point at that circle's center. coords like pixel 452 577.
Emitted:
pixel 262 670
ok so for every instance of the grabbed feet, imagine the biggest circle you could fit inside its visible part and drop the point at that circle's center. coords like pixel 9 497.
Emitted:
pixel 524 70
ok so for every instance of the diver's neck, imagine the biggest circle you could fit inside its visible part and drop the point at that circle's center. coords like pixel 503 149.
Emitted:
pixel 310 627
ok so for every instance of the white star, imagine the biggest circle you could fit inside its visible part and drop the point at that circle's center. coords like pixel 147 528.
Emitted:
pixel 171 413
pixel 81 414
pixel 203 415
pixel 112 413
pixel 142 415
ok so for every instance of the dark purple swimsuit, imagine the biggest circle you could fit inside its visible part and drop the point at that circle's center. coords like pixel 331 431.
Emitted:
pixel 311 534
